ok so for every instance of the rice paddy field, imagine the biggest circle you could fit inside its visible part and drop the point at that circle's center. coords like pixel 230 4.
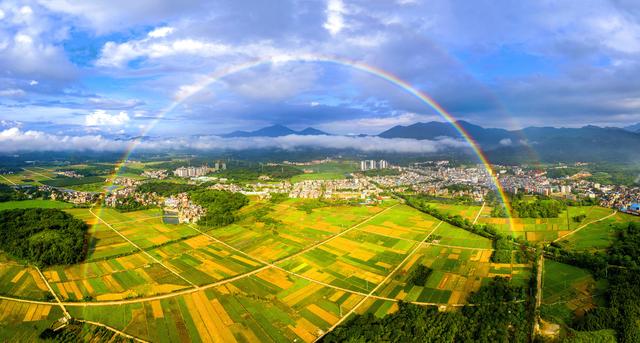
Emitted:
pixel 38 203
pixel 568 291
pixel 296 228
pixel 598 235
pixel 28 176
pixel 23 322
pixel 465 211
pixel 22 281
pixel 270 306
pixel 284 271
pixel 547 229
pixel 455 273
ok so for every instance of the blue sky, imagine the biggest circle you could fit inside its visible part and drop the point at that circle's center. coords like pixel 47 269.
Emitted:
pixel 111 68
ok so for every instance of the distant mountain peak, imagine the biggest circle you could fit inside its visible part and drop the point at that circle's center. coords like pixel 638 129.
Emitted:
pixel 310 131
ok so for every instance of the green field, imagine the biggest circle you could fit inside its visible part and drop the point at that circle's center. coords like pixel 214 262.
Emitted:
pixel 318 176
pixel 70 181
pixel 567 290
pixel 38 203
pixel 598 235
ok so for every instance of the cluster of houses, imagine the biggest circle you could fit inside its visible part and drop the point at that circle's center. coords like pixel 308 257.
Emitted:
pixel 155 174
pixel 187 211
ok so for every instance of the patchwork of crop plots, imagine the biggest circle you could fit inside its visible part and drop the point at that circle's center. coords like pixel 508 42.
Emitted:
pixel 546 229
pixel 23 322
pixel 113 279
pixel 201 261
pixel 22 282
pixel 296 229
pixel 402 222
pixel 268 306
pixel 567 290
pixel 361 259
pixel 455 273
pixel 321 262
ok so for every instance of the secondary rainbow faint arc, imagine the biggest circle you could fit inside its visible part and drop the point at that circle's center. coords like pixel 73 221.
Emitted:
pixel 217 75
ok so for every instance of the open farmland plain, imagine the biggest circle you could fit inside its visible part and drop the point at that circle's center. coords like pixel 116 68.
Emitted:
pixel 285 271
pixel 548 229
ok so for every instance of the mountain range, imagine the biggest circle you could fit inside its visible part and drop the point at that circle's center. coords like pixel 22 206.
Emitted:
pixel 548 144
pixel 276 131
pixel 633 128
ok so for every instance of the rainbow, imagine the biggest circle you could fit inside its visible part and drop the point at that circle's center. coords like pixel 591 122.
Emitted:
pixel 214 77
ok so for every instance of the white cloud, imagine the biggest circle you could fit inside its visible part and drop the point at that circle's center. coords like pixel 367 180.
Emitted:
pixel 160 32
pixel 117 55
pixel 14 140
pixel 33 83
pixel 12 92
pixel 23 39
pixel 102 118
pixel 506 141
pixel 377 124
pixel 335 21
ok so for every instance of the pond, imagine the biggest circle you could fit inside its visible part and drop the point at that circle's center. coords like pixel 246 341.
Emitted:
pixel 170 217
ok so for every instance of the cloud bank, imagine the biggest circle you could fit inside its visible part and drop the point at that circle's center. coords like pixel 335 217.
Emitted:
pixel 14 140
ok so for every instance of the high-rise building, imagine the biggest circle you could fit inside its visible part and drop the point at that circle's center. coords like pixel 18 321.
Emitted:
pixel 382 164
pixel 372 164
pixel 192 171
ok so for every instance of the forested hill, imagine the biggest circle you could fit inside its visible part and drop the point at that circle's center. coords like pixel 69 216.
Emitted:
pixel 42 236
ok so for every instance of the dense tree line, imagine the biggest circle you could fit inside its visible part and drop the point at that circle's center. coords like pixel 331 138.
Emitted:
pixel 496 318
pixel 63 181
pixel 7 193
pixel 252 172
pixel 79 332
pixel 504 250
pixel 579 218
pixel 419 275
pixel 419 203
pixel 165 188
pixel 42 236
pixel 130 204
pixel 220 205
pixel 538 208
pixel 620 266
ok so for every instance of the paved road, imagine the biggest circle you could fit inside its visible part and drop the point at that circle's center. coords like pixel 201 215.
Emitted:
pixel 11 182
pixel 35 172
pixel 479 212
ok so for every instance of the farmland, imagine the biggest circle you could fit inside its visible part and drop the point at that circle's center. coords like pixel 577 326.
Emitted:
pixel 33 204
pixel 547 229
pixel 568 290
pixel 284 271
